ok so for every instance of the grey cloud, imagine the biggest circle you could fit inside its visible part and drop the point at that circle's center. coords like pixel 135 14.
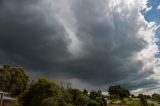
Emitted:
pixel 31 35
pixel 110 45
pixel 27 38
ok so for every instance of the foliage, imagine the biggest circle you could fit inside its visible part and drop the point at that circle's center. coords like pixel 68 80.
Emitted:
pixel 98 97
pixel 69 105
pixel 38 91
pixel 82 100
pixel 155 96
pixel 129 100
pixel 13 103
pixel 151 104
pixel 49 102
pixel 74 94
pixel 62 102
pixel 67 96
pixel 118 91
pixel 13 80
pixel 85 92
pixel 101 101
pixel 43 92
pixel 93 94
pixel 143 100
pixel 93 103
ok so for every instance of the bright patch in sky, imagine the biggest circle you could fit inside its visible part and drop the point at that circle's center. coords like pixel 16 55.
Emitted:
pixel 158 8
pixel 148 9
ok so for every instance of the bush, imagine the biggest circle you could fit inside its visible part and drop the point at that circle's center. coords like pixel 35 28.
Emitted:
pixel 38 91
pixel 82 100
pixel 70 105
pixel 49 102
pixel 93 103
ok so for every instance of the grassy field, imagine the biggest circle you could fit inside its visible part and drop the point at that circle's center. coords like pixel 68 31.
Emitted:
pixel 126 102
pixel 130 102
pixel 153 102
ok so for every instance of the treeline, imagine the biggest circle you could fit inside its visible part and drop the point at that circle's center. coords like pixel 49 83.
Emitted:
pixel 154 97
pixel 42 92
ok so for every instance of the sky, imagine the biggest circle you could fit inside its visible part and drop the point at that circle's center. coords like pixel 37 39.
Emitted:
pixel 91 43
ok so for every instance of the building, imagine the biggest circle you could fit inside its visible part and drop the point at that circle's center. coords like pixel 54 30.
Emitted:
pixel 5 99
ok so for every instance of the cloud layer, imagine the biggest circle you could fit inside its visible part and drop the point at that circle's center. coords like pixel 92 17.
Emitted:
pixel 88 42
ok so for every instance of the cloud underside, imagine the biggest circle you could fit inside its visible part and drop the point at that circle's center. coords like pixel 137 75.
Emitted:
pixel 92 43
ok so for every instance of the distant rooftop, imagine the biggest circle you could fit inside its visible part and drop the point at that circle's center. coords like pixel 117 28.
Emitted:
pixel 8 98
pixel 1 92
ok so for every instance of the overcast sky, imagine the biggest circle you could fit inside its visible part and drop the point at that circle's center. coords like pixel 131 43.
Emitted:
pixel 90 43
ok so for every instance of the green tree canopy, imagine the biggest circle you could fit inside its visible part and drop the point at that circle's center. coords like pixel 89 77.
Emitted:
pixel 74 94
pixel 143 100
pixel 13 79
pixel 156 96
pixel 93 103
pixel 118 91
pixel 38 91
pixel 85 92
pixel 93 94
pixel 67 96
pixel 49 102
pixel 82 100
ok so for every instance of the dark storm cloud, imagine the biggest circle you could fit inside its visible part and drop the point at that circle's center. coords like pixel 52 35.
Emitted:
pixel 27 37
pixel 33 34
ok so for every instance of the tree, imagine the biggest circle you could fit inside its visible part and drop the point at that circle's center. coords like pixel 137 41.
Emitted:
pixel 98 97
pixel 82 100
pixel 85 92
pixel 118 91
pixel 142 100
pixel 67 96
pixel 101 101
pixel 62 102
pixel 38 91
pixel 74 94
pixel 93 94
pixel 93 103
pixel 69 105
pixel 49 102
pixel 156 96
pixel 13 79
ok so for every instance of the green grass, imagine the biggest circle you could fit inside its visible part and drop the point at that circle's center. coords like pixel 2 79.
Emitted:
pixel 154 101
pixel 126 101
pixel 129 101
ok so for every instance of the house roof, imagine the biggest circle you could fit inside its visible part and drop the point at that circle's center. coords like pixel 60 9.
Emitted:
pixel 8 98
pixel 1 92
